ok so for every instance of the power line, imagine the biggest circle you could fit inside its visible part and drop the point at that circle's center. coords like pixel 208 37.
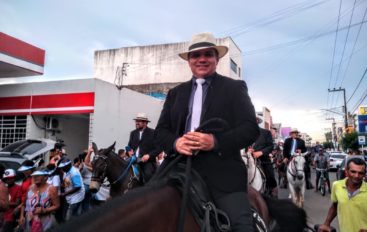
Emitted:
pixel 295 42
pixel 360 101
pixel 345 44
pixel 336 38
pixel 354 46
pixel 333 57
pixel 364 74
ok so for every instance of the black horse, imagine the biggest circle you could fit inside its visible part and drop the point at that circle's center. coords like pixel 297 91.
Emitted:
pixel 156 207
pixel 107 164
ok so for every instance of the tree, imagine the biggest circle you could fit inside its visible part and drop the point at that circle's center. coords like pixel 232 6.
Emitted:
pixel 350 141
pixel 328 136
pixel 328 145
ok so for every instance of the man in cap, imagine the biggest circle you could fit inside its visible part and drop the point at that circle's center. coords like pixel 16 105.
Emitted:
pixel 15 197
pixel 262 149
pixel 217 159
pixel 73 188
pixel 142 143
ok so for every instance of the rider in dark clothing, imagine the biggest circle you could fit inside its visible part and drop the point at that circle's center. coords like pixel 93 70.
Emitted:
pixel 262 148
pixel 291 145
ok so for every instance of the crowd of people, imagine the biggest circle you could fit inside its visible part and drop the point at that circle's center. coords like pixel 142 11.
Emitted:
pixel 60 190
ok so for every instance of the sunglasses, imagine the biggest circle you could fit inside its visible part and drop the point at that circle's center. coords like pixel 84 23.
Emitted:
pixel 206 54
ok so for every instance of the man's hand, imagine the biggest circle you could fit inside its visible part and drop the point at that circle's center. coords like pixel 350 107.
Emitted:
pixel 145 158
pixel 201 141
pixel 324 228
pixel 194 141
pixel 257 154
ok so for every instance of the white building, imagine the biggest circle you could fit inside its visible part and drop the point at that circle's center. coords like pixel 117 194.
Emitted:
pixel 75 111
pixel 157 68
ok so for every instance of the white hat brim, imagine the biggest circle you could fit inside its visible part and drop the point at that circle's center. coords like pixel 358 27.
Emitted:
pixel 25 168
pixel 222 51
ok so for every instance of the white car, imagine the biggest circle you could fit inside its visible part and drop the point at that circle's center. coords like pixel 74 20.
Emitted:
pixel 13 155
pixel 335 159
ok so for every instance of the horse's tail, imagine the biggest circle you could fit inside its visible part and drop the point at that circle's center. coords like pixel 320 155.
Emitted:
pixel 288 217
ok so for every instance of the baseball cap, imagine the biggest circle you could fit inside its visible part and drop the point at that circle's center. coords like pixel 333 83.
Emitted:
pixel 9 173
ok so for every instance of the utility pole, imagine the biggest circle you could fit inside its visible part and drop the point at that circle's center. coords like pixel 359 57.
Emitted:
pixel 121 72
pixel 334 135
pixel 345 105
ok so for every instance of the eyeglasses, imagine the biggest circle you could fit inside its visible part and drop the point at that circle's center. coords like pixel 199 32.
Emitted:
pixel 206 54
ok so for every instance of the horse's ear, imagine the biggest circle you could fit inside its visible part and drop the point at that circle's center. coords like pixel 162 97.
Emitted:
pixel 95 148
pixel 110 148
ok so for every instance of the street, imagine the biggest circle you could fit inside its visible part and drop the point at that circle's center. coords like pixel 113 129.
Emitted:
pixel 316 205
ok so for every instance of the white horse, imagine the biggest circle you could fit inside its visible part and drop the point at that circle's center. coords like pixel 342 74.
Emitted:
pixel 296 178
pixel 255 176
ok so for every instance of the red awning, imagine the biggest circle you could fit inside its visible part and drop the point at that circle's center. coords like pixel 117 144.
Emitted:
pixel 68 103
pixel 19 59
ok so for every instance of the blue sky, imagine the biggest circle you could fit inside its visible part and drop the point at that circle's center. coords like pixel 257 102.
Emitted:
pixel 292 81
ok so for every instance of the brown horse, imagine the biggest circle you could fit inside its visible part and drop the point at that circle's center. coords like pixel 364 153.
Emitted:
pixel 107 164
pixel 156 207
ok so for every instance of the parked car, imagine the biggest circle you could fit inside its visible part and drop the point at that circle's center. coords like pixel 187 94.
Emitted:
pixel 335 158
pixel 13 155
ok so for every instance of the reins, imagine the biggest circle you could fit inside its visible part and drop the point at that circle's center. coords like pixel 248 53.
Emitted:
pixel 294 168
pixel 124 173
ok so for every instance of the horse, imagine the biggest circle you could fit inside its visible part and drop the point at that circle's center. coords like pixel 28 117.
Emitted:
pixel 255 176
pixel 296 178
pixel 156 207
pixel 107 164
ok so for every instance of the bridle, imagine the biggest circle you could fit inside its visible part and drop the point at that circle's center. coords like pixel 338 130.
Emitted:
pixel 293 168
pixel 120 177
pixel 101 178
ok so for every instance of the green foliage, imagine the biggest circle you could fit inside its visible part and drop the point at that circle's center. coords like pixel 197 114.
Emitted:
pixel 327 145
pixel 328 136
pixel 350 141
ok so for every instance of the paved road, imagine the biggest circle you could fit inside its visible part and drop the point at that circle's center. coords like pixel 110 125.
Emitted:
pixel 316 205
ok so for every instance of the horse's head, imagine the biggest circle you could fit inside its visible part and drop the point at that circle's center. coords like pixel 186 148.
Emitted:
pixel 99 164
pixel 299 164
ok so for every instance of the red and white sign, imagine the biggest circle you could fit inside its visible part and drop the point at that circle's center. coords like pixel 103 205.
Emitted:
pixel 68 103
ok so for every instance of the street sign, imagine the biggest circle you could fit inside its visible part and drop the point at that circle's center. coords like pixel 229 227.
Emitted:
pixel 362 140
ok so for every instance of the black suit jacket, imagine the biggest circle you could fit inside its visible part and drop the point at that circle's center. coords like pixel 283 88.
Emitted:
pixel 265 144
pixel 300 144
pixel 146 144
pixel 223 169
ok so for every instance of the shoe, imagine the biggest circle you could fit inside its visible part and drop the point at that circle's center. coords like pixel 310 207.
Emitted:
pixel 329 191
pixel 316 190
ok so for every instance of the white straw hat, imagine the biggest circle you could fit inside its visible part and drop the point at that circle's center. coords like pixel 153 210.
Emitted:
pixel 203 41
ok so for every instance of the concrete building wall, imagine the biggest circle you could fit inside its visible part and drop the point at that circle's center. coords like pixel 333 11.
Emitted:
pixel 114 113
pixel 156 64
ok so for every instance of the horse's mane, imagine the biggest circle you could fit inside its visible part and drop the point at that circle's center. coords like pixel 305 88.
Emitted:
pixel 126 203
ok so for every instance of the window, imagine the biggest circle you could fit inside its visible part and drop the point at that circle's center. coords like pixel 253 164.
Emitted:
pixel 233 66
pixel 12 129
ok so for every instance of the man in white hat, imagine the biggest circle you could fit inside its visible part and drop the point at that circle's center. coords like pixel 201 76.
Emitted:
pixel 217 159
pixel 295 144
pixel 142 143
